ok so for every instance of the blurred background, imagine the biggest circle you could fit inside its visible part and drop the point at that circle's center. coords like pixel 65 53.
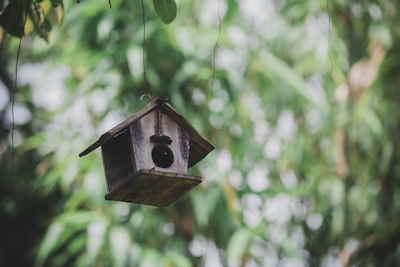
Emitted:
pixel 304 113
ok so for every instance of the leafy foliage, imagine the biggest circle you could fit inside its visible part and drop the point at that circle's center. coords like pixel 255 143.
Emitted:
pixel 44 14
pixel 40 13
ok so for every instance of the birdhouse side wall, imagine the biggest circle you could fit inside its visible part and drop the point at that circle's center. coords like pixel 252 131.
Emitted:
pixel 117 157
pixel 141 131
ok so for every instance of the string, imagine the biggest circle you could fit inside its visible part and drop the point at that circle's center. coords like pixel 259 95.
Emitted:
pixel 329 39
pixel 109 2
pixel 146 91
pixel 216 46
pixel 13 97
pixel 14 92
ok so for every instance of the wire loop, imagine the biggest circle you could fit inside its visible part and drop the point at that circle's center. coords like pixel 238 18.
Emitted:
pixel 147 91
pixel 145 95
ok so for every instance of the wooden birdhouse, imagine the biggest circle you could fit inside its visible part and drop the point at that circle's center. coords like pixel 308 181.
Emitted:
pixel 146 157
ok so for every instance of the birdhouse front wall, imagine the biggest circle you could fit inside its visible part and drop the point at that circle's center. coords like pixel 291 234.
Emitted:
pixel 174 155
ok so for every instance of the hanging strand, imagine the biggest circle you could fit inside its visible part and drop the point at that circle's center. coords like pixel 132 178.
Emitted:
pixel 109 3
pixel 146 91
pixel 331 61
pixel 13 92
pixel 216 46
pixel 329 33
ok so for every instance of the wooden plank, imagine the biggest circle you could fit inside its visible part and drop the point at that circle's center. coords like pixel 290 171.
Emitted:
pixel 171 128
pixel 120 127
pixel 117 160
pixel 141 130
pixel 199 146
pixel 154 188
pixel 157 122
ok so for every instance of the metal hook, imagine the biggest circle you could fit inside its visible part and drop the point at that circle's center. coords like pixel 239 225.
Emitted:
pixel 146 95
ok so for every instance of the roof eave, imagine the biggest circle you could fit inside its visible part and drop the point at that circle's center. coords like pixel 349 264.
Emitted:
pixel 120 127
pixel 199 146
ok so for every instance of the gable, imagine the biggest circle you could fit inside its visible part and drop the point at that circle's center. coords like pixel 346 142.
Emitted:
pixel 199 146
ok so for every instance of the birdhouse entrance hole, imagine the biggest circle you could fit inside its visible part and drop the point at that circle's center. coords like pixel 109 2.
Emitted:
pixel 162 156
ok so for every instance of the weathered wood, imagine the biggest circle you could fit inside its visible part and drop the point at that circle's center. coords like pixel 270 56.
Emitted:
pixel 199 146
pixel 170 128
pixel 154 188
pixel 120 127
pixel 117 160
pixel 146 157
pixel 141 133
pixel 162 139
pixel 141 130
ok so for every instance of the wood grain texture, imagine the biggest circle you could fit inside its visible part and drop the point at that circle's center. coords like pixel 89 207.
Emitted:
pixel 154 188
pixel 117 160
pixel 120 127
pixel 199 146
pixel 171 128
pixel 143 129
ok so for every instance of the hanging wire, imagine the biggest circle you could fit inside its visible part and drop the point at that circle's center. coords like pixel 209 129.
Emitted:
pixel 330 84
pixel 14 90
pixel 145 95
pixel 331 61
pixel 216 45
pixel 146 91
pixel 329 33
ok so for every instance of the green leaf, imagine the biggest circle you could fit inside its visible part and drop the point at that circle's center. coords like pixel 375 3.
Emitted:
pixel 63 254
pixel 55 3
pixel 238 245
pixel 95 240
pixel 61 231
pixel 288 247
pixel 166 10
pixel 42 25
pixel 175 259
pixel 382 33
pixel 151 257
pixel 204 203
pixel 12 18
pixel 49 242
pixel 79 218
pixel 278 69
pixel 3 5
pixel 34 141
pixel 120 243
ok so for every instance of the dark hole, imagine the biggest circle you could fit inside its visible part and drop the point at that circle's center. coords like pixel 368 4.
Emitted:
pixel 162 156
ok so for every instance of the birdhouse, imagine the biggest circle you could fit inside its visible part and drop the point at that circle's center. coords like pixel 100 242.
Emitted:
pixel 146 157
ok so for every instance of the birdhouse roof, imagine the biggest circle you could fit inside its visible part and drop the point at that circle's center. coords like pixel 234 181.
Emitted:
pixel 199 146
